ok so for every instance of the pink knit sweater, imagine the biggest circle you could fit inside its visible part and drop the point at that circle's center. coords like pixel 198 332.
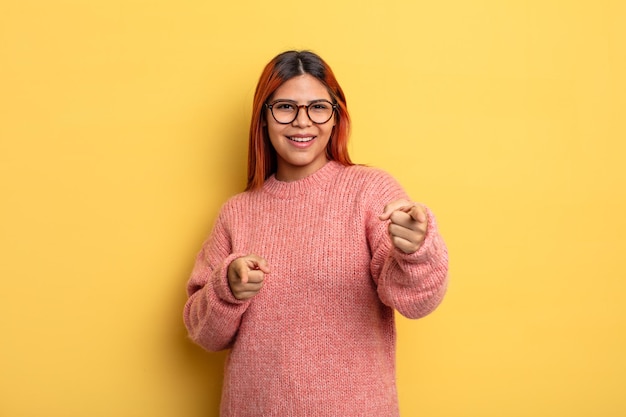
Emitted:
pixel 319 338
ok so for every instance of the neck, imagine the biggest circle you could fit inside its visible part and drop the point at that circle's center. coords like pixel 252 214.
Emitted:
pixel 289 173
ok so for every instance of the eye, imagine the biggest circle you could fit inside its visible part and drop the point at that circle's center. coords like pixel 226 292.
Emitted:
pixel 284 106
pixel 321 106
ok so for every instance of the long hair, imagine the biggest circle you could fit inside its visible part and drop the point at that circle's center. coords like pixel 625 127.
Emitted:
pixel 261 154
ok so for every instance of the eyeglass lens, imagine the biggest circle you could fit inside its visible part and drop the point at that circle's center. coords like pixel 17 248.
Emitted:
pixel 287 111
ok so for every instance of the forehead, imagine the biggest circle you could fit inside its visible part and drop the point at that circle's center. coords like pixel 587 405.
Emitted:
pixel 302 88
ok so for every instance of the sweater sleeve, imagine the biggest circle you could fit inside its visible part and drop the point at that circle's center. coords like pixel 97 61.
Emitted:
pixel 414 284
pixel 212 314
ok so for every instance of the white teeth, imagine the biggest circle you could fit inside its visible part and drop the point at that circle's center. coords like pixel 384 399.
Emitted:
pixel 301 139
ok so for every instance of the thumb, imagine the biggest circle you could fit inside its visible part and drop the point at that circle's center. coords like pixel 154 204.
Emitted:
pixel 388 211
pixel 385 215
pixel 401 205
pixel 243 274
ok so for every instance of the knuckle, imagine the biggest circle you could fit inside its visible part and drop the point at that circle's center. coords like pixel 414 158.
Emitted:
pixel 399 216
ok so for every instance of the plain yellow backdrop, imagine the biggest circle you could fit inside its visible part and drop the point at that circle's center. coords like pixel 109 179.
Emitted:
pixel 123 129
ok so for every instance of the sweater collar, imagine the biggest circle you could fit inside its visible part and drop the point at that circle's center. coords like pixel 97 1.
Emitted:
pixel 292 189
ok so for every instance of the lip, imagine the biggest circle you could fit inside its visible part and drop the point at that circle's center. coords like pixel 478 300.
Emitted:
pixel 302 144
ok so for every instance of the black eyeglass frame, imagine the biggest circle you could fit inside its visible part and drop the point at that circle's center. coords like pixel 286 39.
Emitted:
pixel 270 107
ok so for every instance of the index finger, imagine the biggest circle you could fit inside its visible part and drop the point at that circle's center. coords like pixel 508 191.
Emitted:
pixel 418 213
pixel 256 262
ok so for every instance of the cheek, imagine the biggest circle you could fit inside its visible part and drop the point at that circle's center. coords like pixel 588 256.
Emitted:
pixel 273 134
pixel 328 130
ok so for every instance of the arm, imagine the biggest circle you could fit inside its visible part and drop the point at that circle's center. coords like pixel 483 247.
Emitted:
pixel 212 314
pixel 413 283
pixel 409 257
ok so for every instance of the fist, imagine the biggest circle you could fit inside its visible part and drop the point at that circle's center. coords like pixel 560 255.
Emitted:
pixel 407 224
pixel 246 276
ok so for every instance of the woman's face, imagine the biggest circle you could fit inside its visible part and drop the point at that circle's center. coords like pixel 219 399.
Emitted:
pixel 300 145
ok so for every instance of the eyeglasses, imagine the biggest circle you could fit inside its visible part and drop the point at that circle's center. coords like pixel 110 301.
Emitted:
pixel 286 111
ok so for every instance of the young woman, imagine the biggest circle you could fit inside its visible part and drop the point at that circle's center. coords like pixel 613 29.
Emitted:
pixel 302 272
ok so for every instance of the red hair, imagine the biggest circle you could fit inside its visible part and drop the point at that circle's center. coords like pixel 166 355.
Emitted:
pixel 261 154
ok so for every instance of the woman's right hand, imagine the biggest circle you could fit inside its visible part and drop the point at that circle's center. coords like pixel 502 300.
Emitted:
pixel 246 276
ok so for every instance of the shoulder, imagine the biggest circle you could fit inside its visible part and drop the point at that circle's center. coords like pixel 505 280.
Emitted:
pixel 237 199
pixel 368 177
pixel 372 185
pixel 365 172
pixel 236 204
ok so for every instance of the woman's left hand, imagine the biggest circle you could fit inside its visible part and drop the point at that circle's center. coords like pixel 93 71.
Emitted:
pixel 407 224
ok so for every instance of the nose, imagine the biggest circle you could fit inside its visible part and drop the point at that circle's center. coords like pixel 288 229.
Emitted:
pixel 302 117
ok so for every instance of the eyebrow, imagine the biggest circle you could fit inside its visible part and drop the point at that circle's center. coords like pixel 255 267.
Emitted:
pixel 294 101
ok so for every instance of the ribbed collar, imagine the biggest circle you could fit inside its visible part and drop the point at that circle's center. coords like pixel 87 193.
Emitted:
pixel 311 183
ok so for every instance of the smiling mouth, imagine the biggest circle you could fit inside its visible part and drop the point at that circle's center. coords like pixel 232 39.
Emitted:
pixel 301 139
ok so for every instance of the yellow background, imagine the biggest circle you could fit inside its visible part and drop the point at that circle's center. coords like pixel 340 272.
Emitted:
pixel 124 127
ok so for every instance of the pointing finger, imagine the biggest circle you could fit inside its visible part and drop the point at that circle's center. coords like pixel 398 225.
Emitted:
pixel 263 266
pixel 252 263
pixel 417 213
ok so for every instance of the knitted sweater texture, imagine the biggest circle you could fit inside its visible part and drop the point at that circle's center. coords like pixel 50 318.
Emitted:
pixel 319 338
